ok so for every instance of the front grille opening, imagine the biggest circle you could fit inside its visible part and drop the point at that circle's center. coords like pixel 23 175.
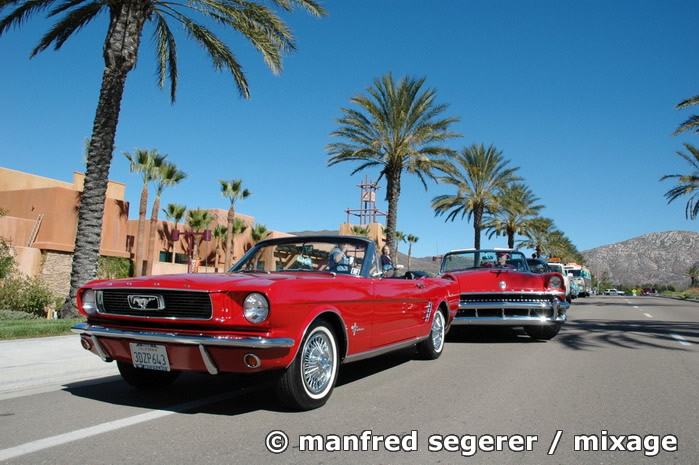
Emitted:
pixel 468 313
pixel 178 304
pixel 521 312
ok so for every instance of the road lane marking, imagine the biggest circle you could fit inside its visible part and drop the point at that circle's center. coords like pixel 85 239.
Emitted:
pixel 648 315
pixel 60 439
pixel 681 340
pixel 635 306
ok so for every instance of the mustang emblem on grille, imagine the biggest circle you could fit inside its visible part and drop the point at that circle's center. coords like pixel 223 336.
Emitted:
pixel 146 302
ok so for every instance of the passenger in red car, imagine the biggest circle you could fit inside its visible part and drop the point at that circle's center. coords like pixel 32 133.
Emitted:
pixel 339 262
pixel 386 262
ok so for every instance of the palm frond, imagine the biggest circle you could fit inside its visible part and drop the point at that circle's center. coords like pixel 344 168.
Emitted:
pixel 688 102
pixel 691 124
pixel 220 54
pixel 71 23
pixel 166 54
pixel 22 12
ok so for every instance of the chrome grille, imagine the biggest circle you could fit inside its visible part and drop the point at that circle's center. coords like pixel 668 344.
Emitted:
pixel 178 304
pixel 474 299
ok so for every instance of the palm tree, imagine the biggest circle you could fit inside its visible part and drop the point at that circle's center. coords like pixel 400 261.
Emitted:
pixel 174 212
pixel 146 163
pixel 398 128
pixel 167 175
pixel 411 240
pixel 693 273
pixel 256 22
pixel 517 204
pixel 692 123
pixel 400 237
pixel 478 175
pixel 220 233
pixel 360 231
pixel 232 191
pixel 687 184
pixel 539 233
pixel 239 226
pixel 559 245
pixel 198 220
pixel 259 232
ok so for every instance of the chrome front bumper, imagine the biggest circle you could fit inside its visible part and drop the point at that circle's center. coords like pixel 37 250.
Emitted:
pixel 508 313
pixel 174 337
pixel 94 333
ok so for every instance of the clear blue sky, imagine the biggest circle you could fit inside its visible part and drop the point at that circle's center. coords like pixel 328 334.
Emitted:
pixel 579 94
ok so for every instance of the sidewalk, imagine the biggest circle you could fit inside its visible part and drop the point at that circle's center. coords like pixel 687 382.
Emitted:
pixel 49 362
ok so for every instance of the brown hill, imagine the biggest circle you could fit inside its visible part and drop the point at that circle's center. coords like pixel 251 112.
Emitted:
pixel 656 258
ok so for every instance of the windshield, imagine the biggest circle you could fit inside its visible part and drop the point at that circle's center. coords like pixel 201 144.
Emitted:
pixel 575 273
pixel 556 268
pixel 474 259
pixel 305 255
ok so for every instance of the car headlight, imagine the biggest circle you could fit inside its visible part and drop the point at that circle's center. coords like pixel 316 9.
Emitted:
pixel 89 302
pixel 255 308
pixel 556 281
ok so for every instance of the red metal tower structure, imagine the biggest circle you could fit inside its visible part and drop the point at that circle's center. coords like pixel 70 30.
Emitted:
pixel 367 211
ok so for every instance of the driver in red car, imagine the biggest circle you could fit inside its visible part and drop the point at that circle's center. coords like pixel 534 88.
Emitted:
pixel 502 261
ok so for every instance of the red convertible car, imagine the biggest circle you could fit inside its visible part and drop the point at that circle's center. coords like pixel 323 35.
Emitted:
pixel 497 288
pixel 300 305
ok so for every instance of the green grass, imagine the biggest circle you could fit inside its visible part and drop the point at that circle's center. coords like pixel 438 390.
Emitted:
pixel 19 329
pixel 691 293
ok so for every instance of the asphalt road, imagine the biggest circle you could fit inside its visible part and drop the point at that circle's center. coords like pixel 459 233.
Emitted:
pixel 623 373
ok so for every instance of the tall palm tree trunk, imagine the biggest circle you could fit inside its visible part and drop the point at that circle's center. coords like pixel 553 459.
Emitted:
pixel 150 261
pixel 229 239
pixel 510 239
pixel 477 226
pixel 120 53
pixel 392 195
pixel 138 255
pixel 174 247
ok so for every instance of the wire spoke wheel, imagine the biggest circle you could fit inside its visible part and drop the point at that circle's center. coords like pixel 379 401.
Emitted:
pixel 431 347
pixel 308 382
pixel 317 363
pixel 438 331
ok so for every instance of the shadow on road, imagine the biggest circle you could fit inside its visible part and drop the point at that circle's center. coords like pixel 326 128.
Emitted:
pixel 489 335
pixel 248 392
pixel 630 334
pixel 589 334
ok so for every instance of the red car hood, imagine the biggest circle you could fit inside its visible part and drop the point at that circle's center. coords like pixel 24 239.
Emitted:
pixel 490 280
pixel 205 282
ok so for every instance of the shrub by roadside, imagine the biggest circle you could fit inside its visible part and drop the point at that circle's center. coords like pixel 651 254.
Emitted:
pixel 23 294
pixel 13 315
pixel 689 294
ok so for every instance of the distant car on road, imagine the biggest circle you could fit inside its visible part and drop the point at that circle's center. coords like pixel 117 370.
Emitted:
pixel 613 292
pixel 538 265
